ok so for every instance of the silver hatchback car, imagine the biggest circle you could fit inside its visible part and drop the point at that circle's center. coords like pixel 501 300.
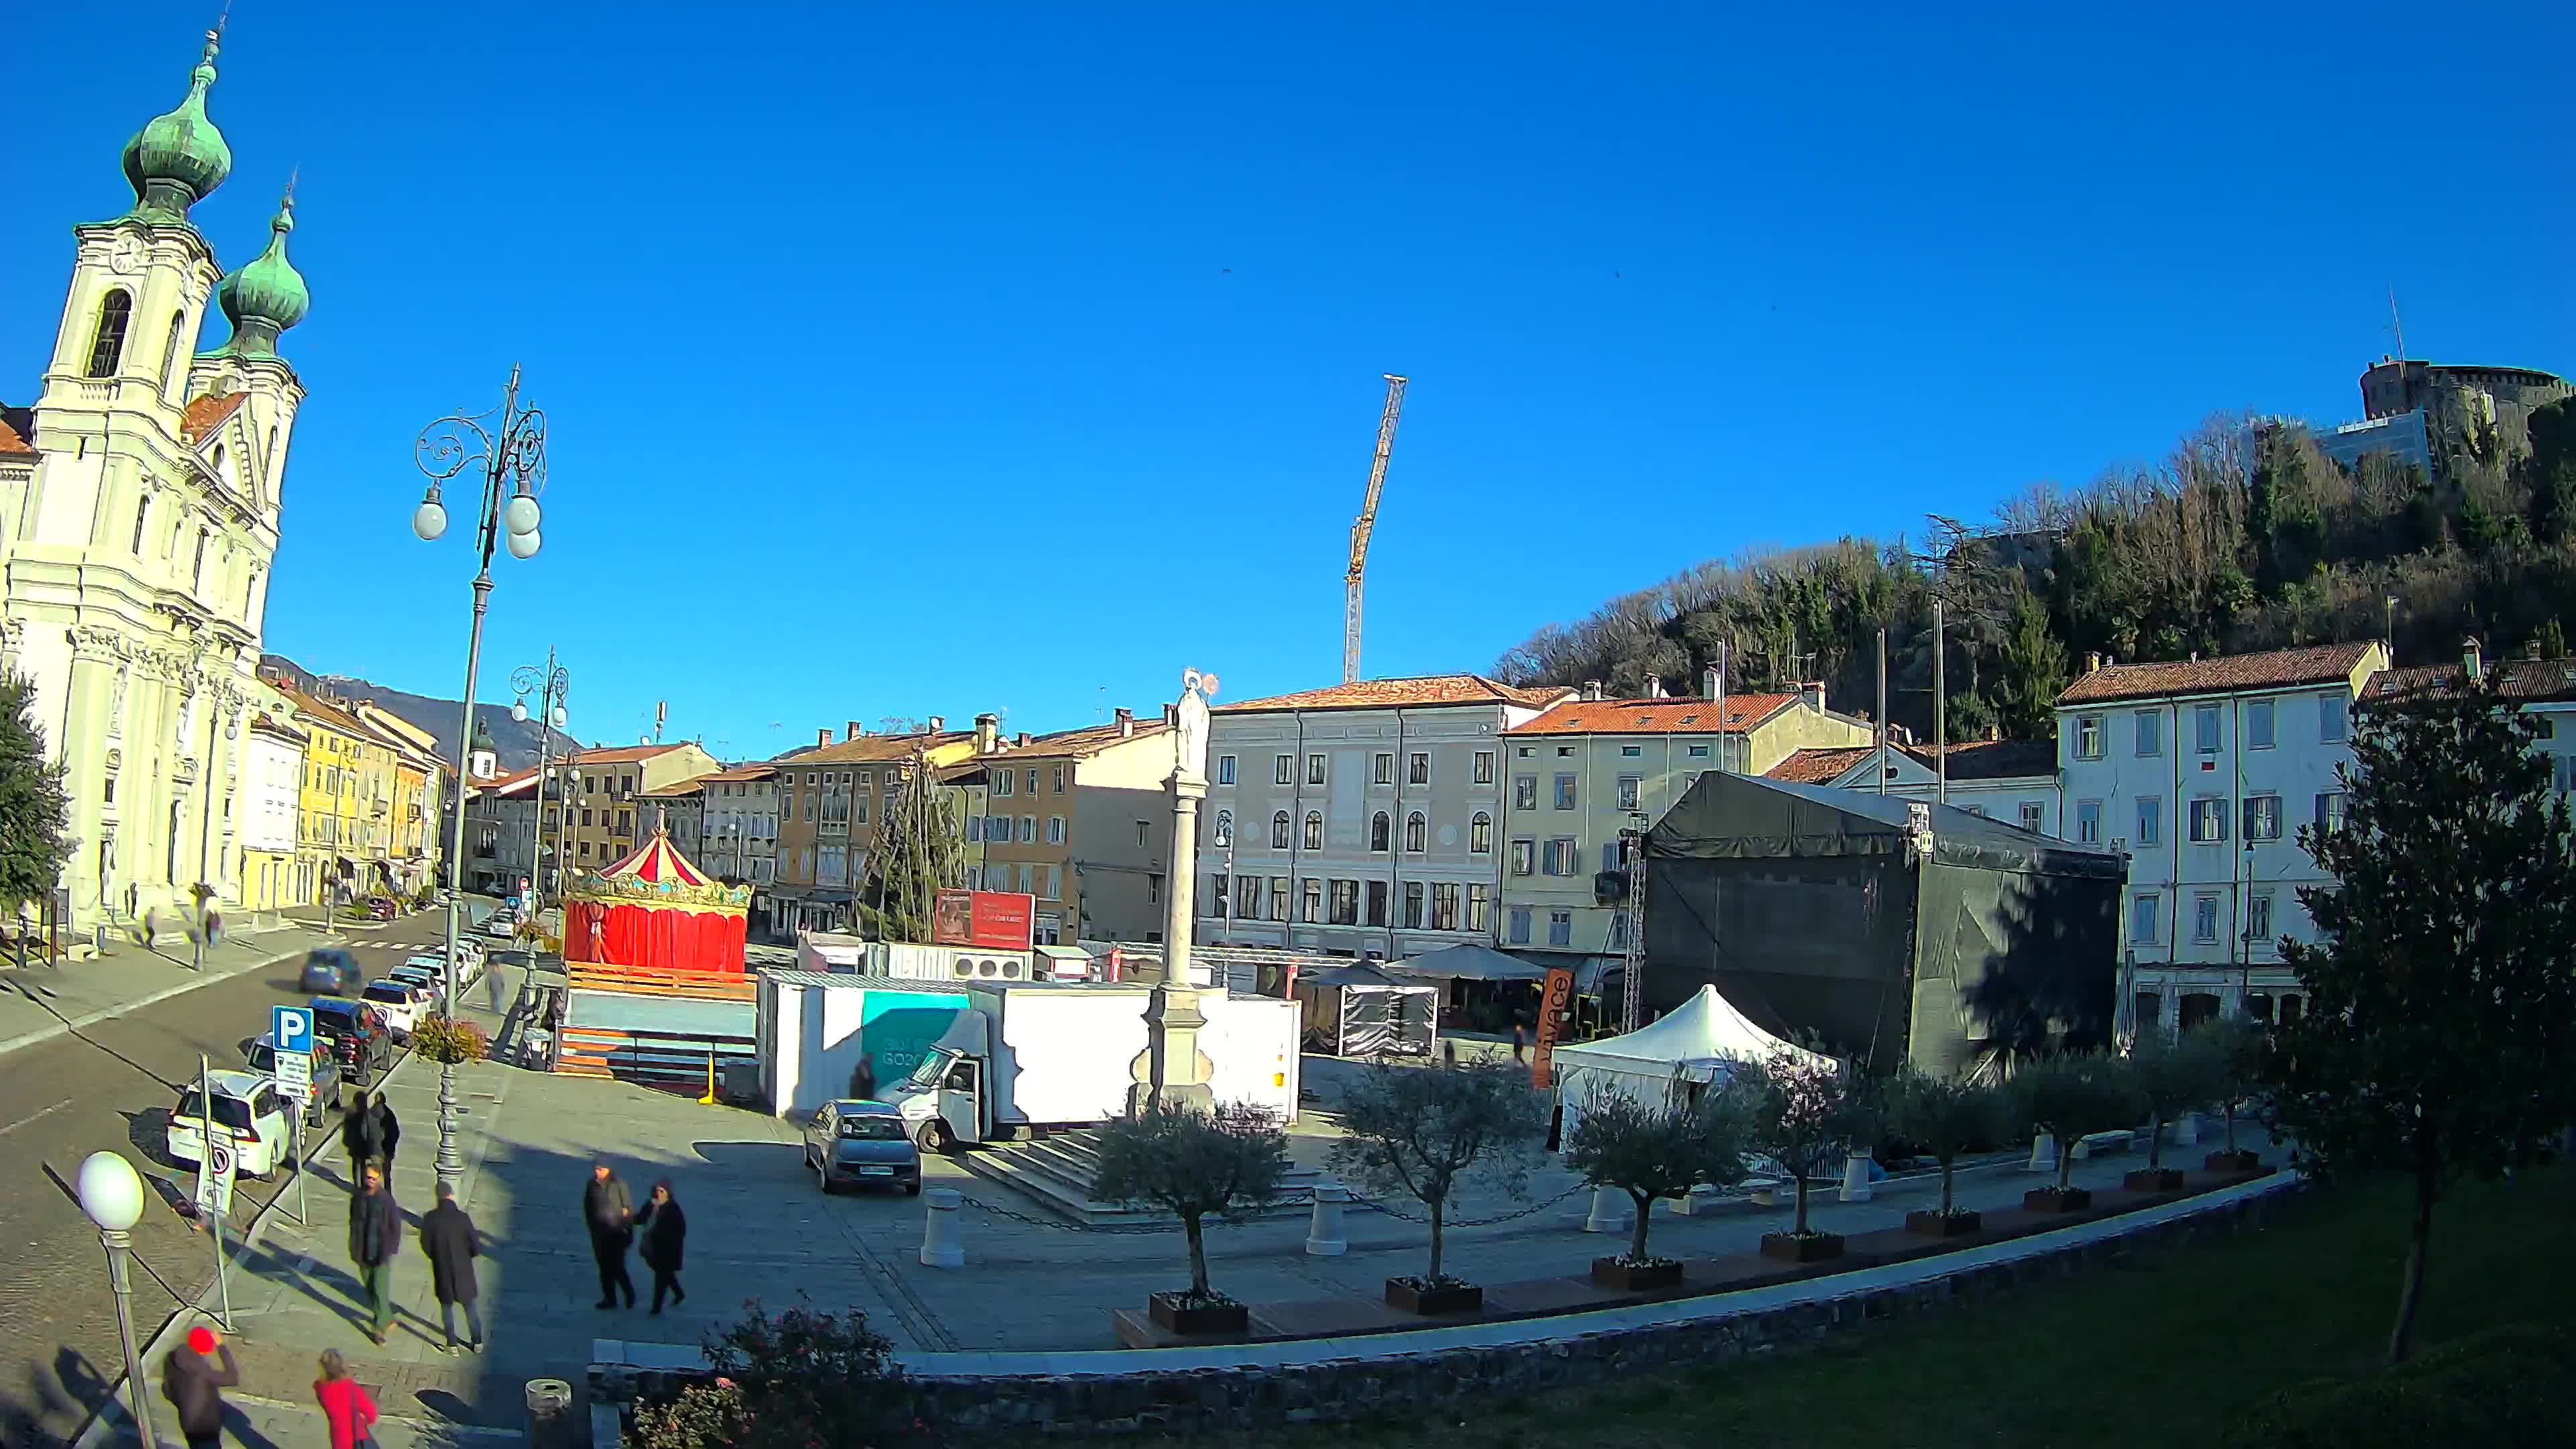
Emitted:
pixel 862 1143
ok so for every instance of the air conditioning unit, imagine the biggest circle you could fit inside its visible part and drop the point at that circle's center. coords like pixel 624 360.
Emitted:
pixel 975 966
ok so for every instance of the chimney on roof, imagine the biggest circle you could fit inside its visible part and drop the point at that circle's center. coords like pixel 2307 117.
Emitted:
pixel 1654 686
pixel 988 731
pixel 1023 738
pixel 823 737
pixel 1126 724
pixel 2473 660
pixel 1591 689
pixel 939 724
pixel 2093 661
pixel 1813 691
pixel 1709 683
pixel 850 731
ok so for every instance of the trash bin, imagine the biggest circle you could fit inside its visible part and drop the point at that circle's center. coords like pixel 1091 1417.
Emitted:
pixel 549 1414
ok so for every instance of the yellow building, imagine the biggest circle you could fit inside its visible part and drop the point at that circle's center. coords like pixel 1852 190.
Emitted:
pixel 345 832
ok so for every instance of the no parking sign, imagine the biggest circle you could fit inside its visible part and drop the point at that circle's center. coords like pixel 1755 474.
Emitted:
pixel 215 1175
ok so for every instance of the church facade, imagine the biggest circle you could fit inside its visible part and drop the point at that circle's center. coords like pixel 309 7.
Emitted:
pixel 141 507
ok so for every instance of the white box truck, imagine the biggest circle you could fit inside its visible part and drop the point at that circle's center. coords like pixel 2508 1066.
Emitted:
pixel 814 1028
pixel 1046 1055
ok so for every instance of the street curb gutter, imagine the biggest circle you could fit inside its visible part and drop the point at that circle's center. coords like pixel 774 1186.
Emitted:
pixel 110 1422
pixel 64 1028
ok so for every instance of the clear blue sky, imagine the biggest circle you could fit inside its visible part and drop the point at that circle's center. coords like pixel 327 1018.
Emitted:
pixel 913 359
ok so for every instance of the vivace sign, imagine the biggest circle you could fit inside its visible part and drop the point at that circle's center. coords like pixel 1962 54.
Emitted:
pixel 995 920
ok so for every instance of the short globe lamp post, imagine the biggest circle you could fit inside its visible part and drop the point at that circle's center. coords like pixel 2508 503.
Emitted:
pixel 112 1196
pixel 508 449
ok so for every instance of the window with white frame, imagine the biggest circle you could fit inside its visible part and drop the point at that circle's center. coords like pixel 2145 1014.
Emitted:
pixel 1563 857
pixel 2208 820
pixel 1525 792
pixel 1412 916
pixel 1279 831
pixel 1055 830
pixel 1314 769
pixel 1279 885
pixel 1417 831
pixel 1002 782
pixel 1284 772
pixel 1631 752
pixel 1480 834
pixel 1314 830
pixel 2034 815
pixel 1375 912
pixel 2258 724
pixel 2329 816
pixel 2205 729
pixel 2332 709
pixel 1484 768
pixel 1313 903
pixel 1346 903
pixel 1247 898
pixel 1565 792
pixel 1225 769
pixel 1629 786
pixel 1560 928
pixel 1417 768
pixel 2088 737
pixel 1382 769
pixel 1697 752
pixel 2142 919
pixel 1381 832
pixel 2258 916
pixel 2204 919
pixel 1444 906
pixel 2151 820
pixel 2088 822
pixel 1517 929
pixel 1032 781
pixel 2262 817
pixel 1028 830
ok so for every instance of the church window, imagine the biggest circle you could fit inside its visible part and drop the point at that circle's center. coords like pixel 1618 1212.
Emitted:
pixel 197 574
pixel 219 460
pixel 170 353
pixel 107 348
pixel 142 518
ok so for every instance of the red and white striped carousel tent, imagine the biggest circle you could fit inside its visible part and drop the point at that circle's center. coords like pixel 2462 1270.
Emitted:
pixel 655 911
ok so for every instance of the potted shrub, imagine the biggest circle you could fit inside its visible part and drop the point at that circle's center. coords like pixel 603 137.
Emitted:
pixel 1652 1150
pixel 2172 1076
pixel 1947 1116
pixel 2070 1097
pixel 1805 1108
pixel 2236 1048
pixel 1195 1166
pixel 1427 1133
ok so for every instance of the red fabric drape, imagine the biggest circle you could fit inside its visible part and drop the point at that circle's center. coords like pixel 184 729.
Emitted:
pixel 655 940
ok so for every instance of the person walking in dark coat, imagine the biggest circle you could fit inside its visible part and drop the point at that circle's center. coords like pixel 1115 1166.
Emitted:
pixel 664 1230
pixel 361 1136
pixel 388 1132
pixel 610 1215
pixel 447 1236
pixel 375 1235
pixel 196 1387
pixel 863 1078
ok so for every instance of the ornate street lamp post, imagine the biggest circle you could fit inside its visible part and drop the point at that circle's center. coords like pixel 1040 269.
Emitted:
pixel 549 685
pixel 509 449
pixel 111 1194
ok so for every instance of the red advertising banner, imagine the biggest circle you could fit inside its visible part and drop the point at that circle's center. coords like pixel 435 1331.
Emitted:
pixel 1556 1001
pixel 995 920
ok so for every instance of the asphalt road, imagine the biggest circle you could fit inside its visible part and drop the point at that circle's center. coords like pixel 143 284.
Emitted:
pixel 112 1085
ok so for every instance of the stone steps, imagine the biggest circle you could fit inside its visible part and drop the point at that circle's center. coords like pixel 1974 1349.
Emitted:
pixel 1057 1172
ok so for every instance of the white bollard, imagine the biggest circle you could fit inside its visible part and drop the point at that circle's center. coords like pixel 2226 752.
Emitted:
pixel 1609 1211
pixel 2043 1153
pixel 2187 1129
pixel 1324 1232
pixel 1856 1177
pixel 943 1242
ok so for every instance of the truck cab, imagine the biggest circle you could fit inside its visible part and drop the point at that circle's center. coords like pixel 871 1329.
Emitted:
pixel 947 1102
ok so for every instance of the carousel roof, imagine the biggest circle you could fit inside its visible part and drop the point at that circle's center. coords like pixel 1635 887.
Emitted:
pixel 657 875
pixel 658 862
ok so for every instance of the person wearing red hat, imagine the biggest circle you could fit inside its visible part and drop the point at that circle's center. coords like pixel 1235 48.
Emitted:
pixel 195 1386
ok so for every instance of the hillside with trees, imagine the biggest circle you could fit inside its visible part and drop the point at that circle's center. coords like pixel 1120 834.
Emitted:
pixel 2245 537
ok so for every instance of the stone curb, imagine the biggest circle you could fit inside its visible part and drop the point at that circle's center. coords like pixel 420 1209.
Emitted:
pixel 110 1423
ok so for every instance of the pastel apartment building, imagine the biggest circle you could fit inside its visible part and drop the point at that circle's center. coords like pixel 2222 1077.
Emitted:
pixel 2014 781
pixel 1081 819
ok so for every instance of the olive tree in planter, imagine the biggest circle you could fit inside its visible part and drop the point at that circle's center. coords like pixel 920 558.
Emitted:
pixel 1195 1166
pixel 2173 1075
pixel 1427 1133
pixel 2070 1097
pixel 2237 1049
pixel 1807 1110
pixel 1652 1150
pixel 1945 1116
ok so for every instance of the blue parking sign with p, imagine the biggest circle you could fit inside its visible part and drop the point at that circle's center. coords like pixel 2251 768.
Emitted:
pixel 292 1026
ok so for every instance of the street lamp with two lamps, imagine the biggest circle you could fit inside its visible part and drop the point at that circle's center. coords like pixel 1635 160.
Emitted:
pixel 508 447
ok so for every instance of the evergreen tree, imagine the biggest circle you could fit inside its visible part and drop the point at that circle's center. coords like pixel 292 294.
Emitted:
pixel 915 857
pixel 2034 670
pixel 2442 982
pixel 34 812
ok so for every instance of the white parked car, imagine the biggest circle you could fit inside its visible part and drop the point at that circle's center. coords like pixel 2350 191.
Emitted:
pixel 248 1107
pixel 400 1003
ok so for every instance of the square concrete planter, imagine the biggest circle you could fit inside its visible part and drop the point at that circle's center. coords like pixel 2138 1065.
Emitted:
pixel 2238 1161
pixel 1414 1296
pixel 2054 1200
pixel 2153 1179
pixel 1791 1248
pixel 1944 1225
pixel 1176 1313
pixel 1626 1278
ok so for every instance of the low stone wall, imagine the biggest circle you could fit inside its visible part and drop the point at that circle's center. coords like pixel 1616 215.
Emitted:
pixel 1471 1378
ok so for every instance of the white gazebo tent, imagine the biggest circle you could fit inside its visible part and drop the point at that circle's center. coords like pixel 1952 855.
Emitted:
pixel 1688 1047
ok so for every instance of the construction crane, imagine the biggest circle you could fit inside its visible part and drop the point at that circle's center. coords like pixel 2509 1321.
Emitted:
pixel 1360 531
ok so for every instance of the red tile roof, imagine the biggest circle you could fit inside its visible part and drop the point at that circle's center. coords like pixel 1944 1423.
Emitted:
pixel 1990 759
pixel 1421 691
pixel 739 774
pixel 2275 669
pixel 1075 744
pixel 867 749
pixel 205 414
pixel 1654 716
pixel 1819 767
pixel 10 442
pixel 2533 680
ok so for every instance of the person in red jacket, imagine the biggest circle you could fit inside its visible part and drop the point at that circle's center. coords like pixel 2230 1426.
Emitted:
pixel 345 1404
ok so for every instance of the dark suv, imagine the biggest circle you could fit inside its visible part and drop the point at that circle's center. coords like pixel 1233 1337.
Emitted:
pixel 360 1041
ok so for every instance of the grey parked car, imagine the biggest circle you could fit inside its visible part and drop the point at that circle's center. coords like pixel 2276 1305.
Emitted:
pixel 861 1142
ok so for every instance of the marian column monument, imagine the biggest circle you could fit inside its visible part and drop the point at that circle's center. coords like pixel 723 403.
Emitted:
pixel 1173 1072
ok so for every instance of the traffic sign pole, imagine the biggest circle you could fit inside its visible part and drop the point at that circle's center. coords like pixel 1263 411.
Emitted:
pixel 211 1193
